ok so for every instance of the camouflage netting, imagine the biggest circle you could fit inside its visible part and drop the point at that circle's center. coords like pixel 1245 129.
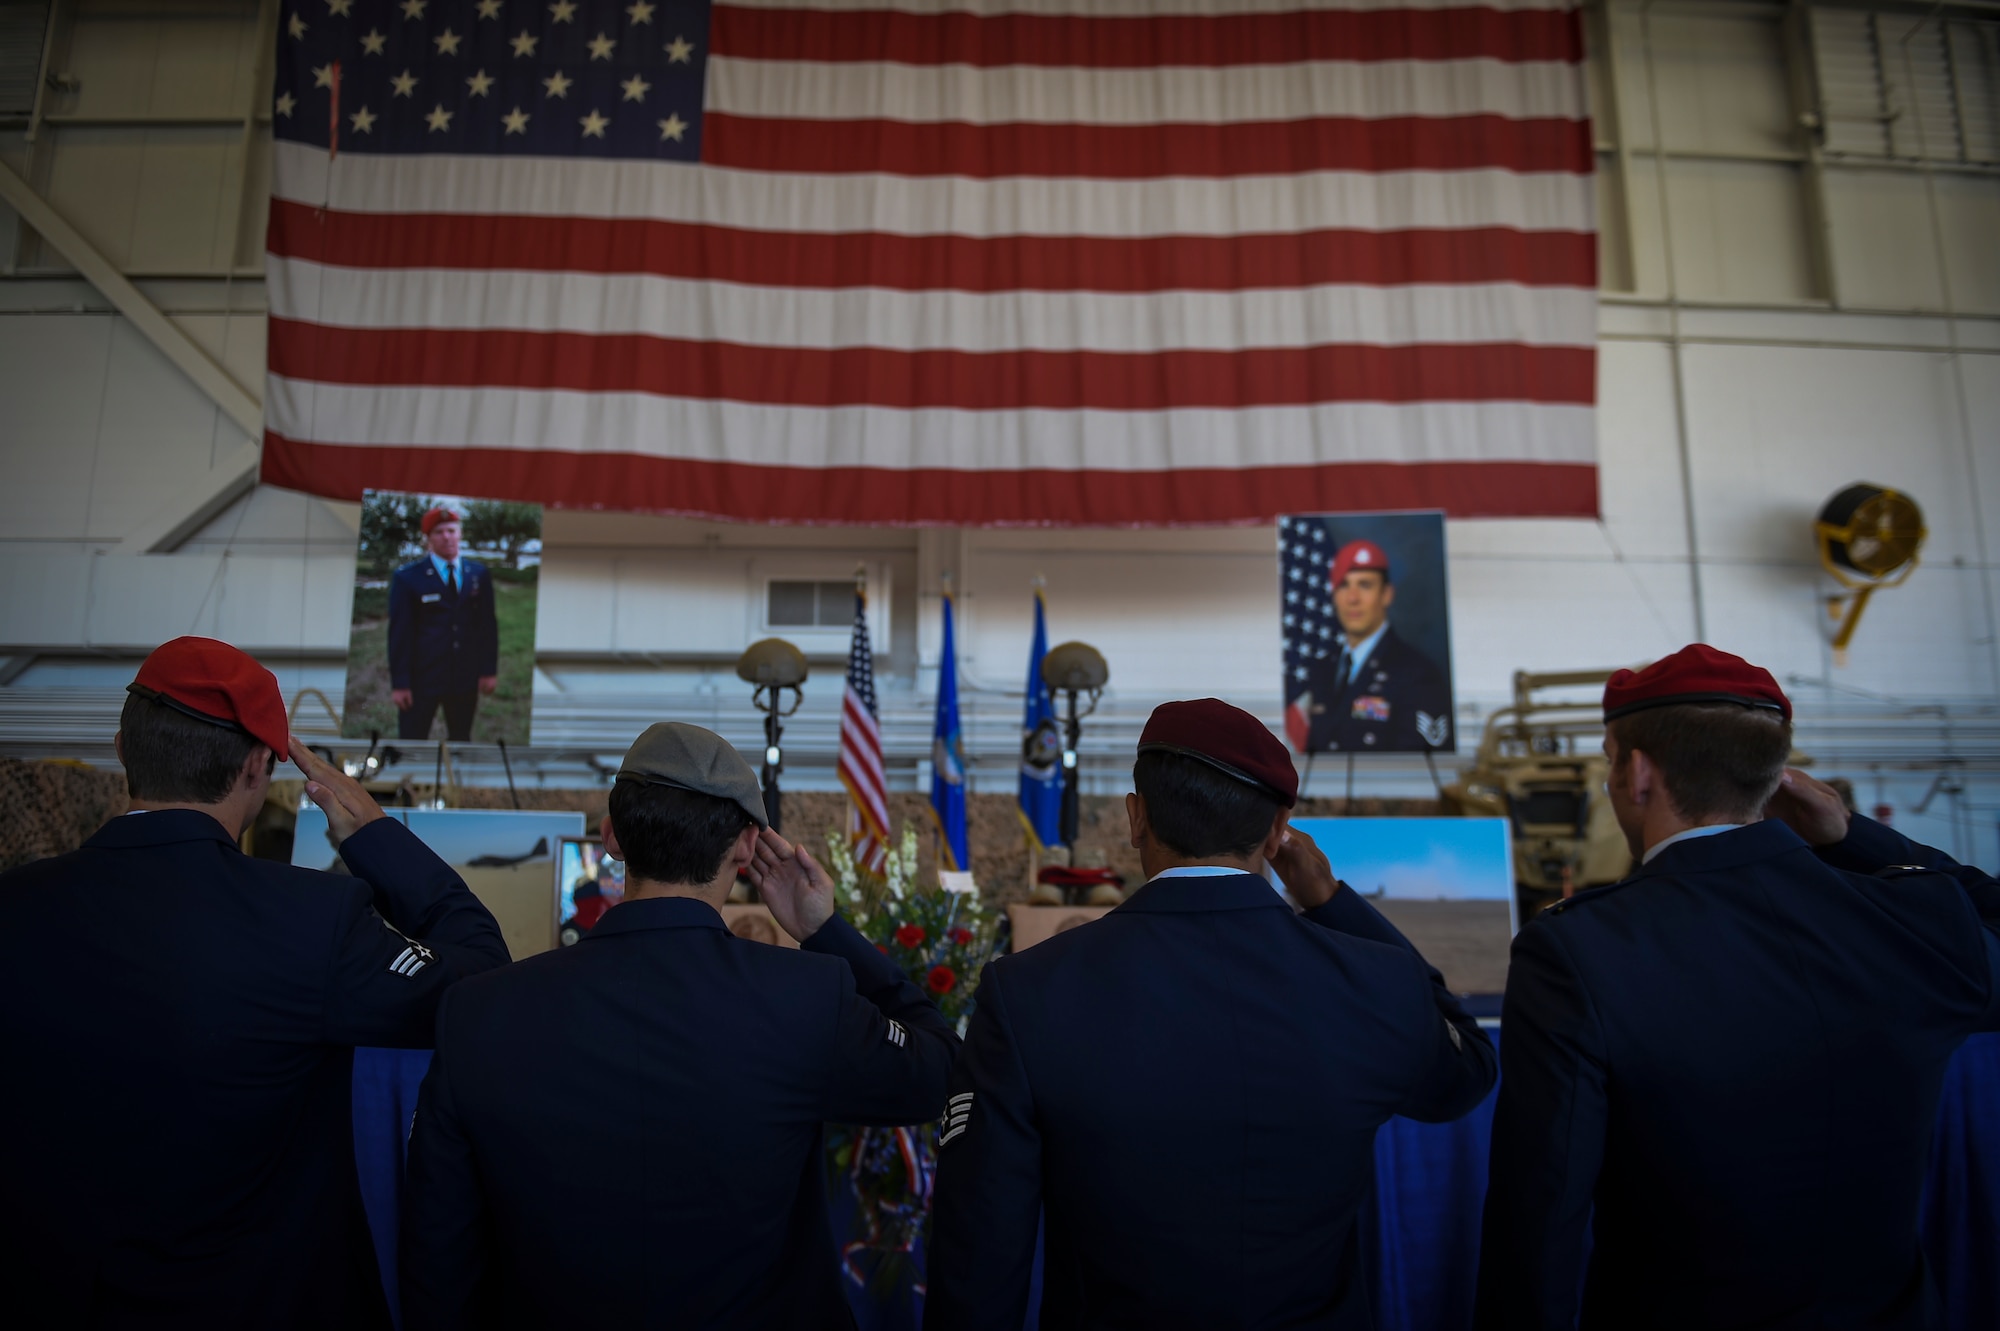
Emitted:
pixel 50 808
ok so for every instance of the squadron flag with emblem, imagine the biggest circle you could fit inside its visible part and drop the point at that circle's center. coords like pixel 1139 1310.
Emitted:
pixel 1041 744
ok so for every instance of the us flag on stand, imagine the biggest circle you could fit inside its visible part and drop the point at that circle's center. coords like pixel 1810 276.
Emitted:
pixel 861 769
pixel 953 261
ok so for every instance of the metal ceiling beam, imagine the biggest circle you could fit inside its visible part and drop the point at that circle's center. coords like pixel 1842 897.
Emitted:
pixel 206 495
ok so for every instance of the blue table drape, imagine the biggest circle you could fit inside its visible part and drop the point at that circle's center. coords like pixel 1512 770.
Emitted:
pixel 1430 1183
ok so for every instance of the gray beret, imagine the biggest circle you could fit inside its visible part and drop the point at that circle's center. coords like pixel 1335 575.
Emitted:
pixel 676 754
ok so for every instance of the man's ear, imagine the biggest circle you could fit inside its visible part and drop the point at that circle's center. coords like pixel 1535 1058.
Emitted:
pixel 258 764
pixel 611 846
pixel 1388 594
pixel 118 746
pixel 1135 813
pixel 1642 780
pixel 1276 838
pixel 745 849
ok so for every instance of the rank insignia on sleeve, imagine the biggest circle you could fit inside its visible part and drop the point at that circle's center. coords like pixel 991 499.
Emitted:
pixel 957 1116
pixel 897 1035
pixel 412 959
pixel 1370 708
pixel 1433 730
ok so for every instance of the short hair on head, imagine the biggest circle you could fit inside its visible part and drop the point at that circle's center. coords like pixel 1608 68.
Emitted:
pixel 1199 811
pixel 173 758
pixel 672 835
pixel 1717 759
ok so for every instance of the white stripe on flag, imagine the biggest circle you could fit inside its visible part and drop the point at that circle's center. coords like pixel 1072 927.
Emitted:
pixel 1219 95
pixel 769 201
pixel 996 440
pixel 933 320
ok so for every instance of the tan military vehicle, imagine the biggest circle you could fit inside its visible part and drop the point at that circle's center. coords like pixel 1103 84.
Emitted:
pixel 1541 766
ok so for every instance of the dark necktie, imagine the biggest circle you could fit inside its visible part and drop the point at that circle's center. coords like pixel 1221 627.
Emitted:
pixel 451 578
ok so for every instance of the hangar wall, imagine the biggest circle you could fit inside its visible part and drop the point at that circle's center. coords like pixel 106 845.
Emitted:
pixel 1800 208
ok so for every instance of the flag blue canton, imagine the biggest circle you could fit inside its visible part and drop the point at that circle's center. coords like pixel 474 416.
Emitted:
pixel 1309 630
pixel 527 78
pixel 860 659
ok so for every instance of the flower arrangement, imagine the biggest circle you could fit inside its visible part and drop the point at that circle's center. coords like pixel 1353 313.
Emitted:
pixel 940 939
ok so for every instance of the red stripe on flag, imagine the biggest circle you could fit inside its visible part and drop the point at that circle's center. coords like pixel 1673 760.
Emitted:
pixel 968 381
pixel 933 262
pixel 873 495
pixel 1136 152
pixel 1138 42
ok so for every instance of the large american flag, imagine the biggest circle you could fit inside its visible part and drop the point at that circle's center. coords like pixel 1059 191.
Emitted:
pixel 860 763
pixel 952 261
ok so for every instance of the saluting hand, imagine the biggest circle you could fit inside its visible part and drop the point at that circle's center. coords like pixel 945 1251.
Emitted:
pixel 1809 807
pixel 1303 868
pixel 789 879
pixel 348 807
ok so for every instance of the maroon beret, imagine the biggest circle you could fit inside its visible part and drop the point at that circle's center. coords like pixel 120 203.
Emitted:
pixel 1228 739
pixel 1695 673
pixel 214 682
pixel 1363 555
pixel 437 516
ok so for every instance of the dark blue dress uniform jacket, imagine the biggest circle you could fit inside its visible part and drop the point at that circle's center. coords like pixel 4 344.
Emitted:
pixel 1398 702
pixel 1736 1053
pixel 440 643
pixel 626 1133
pixel 1189 1088
pixel 177 1021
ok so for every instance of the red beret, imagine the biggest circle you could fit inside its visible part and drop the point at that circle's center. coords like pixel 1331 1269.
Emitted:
pixel 217 683
pixel 1228 739
pixel 437 515
pixel 1363 555
pixel 1695 673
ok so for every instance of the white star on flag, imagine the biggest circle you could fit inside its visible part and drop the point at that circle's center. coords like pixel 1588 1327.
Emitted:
pixel 285 103
pixel 636 89
pixel 403 84
pixel 364 120
pixel 447 42
pixel 297 27
pixel 479 83
pixel 339 7
pixel 372 42
pixel 679 50
pixel 640 12
pixel 524 45
pixel 439 118
pixel 322 76
pixel 562 11
pixel 593 125
pixel 673 127
pixel 489 8
pixel 414 8
pixel 600 47
pixel 516 121
pixel 557 84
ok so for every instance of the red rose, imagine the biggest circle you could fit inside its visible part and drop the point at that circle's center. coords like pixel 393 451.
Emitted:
pixel 910 935
pixel 961 936
pixel 883 948
pixel 941 979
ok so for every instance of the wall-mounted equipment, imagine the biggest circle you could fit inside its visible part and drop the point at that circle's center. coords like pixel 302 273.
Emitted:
pixel 1869 536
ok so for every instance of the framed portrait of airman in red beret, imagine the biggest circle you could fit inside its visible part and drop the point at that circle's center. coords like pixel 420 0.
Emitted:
pixel 1365 621
pixel 442 639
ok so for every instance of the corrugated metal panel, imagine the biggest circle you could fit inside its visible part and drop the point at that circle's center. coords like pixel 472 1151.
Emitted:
pixel 1897 85
pixel 1850 82
pixel 1975 69
pixel 23 24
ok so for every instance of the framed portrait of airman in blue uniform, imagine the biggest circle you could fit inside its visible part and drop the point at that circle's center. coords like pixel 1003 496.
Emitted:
pixel 1365 621
pixel 442 640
